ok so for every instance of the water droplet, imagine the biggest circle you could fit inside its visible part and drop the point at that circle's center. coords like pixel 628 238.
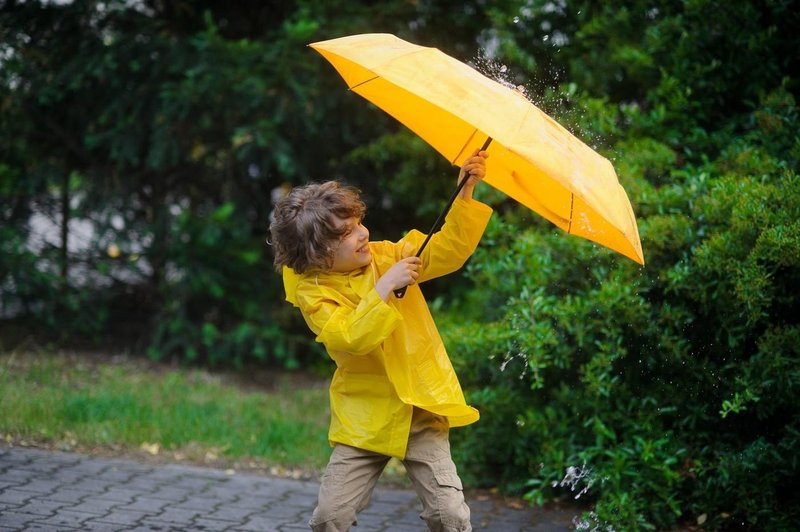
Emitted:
pixel 516 20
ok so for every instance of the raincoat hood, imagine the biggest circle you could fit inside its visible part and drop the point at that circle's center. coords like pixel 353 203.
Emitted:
pixel 290 280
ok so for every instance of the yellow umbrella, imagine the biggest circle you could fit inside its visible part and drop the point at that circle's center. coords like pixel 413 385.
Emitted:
pixel 455 109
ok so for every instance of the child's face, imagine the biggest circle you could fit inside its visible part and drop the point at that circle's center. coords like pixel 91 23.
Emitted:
pixel 353 249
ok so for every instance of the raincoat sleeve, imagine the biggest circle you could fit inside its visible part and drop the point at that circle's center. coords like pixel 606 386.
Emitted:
pixel 341 327
pixel 451 246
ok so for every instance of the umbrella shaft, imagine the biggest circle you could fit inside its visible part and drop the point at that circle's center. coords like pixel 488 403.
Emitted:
pixel 449 203
pixel 400 292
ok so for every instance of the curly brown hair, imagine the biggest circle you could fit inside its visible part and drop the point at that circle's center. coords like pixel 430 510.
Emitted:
pixel 303 226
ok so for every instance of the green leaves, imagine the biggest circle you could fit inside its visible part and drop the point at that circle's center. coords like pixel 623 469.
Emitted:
pixel 672 381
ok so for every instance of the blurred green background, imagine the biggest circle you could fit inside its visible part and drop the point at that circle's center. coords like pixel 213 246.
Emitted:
pixel 142 144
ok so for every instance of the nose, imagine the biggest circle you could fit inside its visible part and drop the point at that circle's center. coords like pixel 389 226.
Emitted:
pixel 363 232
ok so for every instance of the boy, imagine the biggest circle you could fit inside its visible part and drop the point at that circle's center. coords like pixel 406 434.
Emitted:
pixel 394 392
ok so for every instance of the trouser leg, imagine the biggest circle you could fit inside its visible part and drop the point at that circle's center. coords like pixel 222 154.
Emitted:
pixel 346 487
pixel 434 474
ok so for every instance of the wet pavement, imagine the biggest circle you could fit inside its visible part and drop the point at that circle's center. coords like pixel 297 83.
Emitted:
pixel 56 491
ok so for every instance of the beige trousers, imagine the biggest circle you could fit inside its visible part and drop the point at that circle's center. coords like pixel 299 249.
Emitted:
pixel 351 475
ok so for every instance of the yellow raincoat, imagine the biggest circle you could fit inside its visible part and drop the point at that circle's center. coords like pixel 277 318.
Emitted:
pixel 389 356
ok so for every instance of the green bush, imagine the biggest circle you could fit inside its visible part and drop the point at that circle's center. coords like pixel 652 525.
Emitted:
pixel 672 387
pixel 218 305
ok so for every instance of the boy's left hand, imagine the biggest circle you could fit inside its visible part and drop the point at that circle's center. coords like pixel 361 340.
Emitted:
pixel 475 166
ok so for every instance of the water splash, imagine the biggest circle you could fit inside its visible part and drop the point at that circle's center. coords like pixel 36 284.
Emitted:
pixel 574 477
pixel 582 479
pixel 558 101
pixel 591 523
pixel 491 68
pixel 510 356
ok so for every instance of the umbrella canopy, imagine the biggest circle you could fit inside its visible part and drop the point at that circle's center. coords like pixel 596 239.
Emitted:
pixel 455 108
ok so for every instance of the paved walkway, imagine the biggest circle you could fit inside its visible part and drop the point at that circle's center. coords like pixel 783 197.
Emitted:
pixel 54 491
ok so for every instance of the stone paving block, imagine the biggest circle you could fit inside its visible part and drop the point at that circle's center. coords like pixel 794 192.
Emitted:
pixel 282 510
pixel 92 485
pixel 227 513
pixel 511 526
pixel 128 466
pixel 118 494
pixel 204 504
pixel 67 494
pixel 146 504
pixel 192 483
pixel 407 516
pixel 89 467
pixel 67 476
pixel 301 519
pixel 370 521
pixel 161 474
pixel 253 503
pixel 157 526
pixel 259 524
pixel 379 508
pixel 39 507
pixel 44 466
pixel 96 526
pixel 142 485
pixel 15 475
pixel 294 527
pixel 122 517
pixel 95 505
pixel 117 475
pixel 311 490
pixel 15 496
pixel 406 527
pixel 39 486
pixel 17 520
pixel 168 492
pixel 178 515
pixel 5 507
pixel 301 500
pixel 394 496
pixel 43 527
pixel 222 493
pixel 202 523
pixel 67 518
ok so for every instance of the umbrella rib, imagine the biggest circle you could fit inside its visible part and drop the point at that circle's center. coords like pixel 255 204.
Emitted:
pixel 571 205
pixel 364 82
pixel 464 146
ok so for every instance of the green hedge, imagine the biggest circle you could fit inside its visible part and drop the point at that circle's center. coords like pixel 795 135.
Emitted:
pixel 674 385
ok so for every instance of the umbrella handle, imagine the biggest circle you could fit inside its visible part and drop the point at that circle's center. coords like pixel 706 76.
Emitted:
pixel 400 292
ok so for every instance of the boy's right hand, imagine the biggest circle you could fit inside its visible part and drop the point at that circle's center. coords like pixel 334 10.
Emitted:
pixel 403 273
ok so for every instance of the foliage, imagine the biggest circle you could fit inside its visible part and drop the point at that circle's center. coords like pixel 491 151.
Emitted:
pixel 165 134
pixel 668 388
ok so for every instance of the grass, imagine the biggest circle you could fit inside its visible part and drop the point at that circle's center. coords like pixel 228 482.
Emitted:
pixel 128 406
